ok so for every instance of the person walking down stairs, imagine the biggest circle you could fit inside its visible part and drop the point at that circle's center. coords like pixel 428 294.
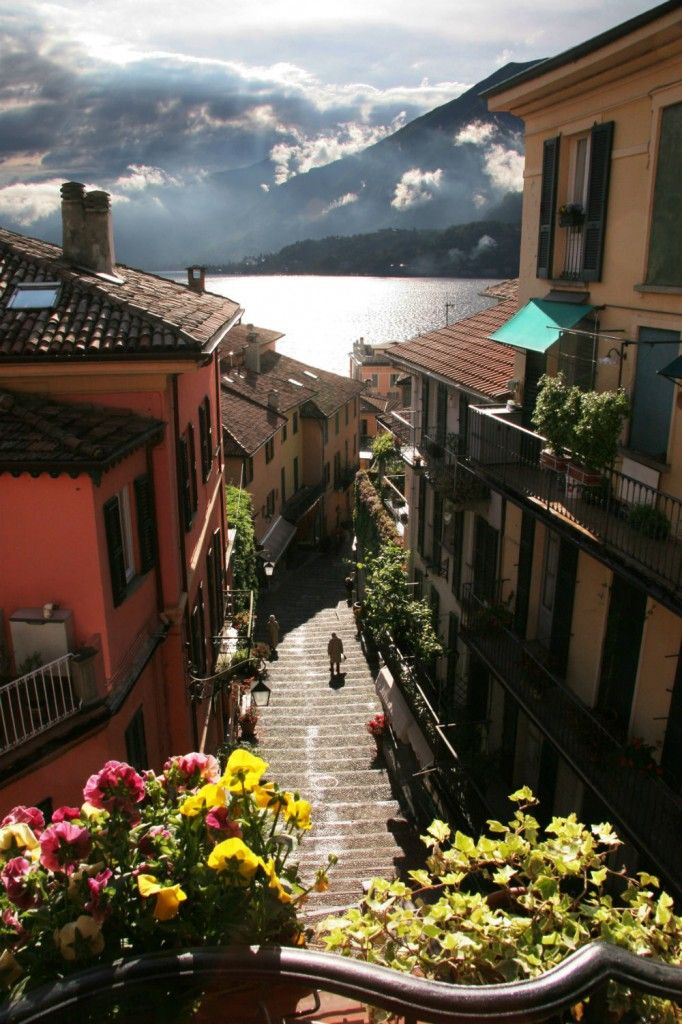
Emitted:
pixel 335 652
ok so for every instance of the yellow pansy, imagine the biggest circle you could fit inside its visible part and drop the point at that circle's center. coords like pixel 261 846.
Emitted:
pixel 90 811
pixel 168 897
pixel 234 853
pixel 84 928
pixel 298 813
pixel 243 769
pixel 17 834
pixel 274 883
pixel 268 796
pixel 210 795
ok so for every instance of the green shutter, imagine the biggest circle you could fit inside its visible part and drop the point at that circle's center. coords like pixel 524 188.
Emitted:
pixel 205 438
pixel 185 491
pixel 117 567
pixel 194 493
pixel 597 200
pixel 550 170
pixel 146 522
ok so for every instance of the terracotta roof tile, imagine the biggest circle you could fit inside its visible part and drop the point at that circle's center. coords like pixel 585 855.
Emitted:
pixel 503 289
pixel 330 390
pixel 463 352
pixel 96 317
pixel 246 424
pixel 40 435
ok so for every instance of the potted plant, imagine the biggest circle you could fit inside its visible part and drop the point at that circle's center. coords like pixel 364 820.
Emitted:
pixel 555 416
pixel 571 215
pixel 649 521
pixel 189 857
pixel 596 434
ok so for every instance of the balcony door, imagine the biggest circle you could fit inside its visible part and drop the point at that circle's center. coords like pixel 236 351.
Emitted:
pixel 535 367
pixel 652 401
pixel 555 614
pixel 620 658
pixel 486 543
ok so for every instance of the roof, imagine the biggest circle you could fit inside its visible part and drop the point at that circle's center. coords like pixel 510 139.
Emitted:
pixel 95 317
pixel 292 389
pixel 247 424
pixel 540 323
pixel 583 49
pixel 381 403
pixel 330 390
pixel 41 435
pixel 503 289
pixel 463 354
pixel 239 337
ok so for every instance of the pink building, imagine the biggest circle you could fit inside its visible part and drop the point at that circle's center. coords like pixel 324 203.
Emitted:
pixel 111 489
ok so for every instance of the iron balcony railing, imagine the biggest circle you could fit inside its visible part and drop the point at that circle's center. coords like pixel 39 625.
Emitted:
pixel 638 523
pixel 36 701
pixel 171 979
pixel 642 803
pixel 573 252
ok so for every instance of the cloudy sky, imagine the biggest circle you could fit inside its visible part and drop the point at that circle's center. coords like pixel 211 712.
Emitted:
pixel 151 99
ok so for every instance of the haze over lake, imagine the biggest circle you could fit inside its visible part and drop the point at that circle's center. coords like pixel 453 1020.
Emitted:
pixel 321 317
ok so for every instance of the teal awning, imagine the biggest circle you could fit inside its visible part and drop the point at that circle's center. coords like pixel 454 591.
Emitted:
pixel 539 324
pixel 673 370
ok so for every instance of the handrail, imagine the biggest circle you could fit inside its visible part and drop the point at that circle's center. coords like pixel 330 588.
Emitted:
pixel 582 973
pixel 35 701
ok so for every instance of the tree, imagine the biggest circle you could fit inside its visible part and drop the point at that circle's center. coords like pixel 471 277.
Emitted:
pixel 240 517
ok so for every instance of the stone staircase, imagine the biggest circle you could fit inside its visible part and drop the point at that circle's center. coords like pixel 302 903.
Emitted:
pixel 313 734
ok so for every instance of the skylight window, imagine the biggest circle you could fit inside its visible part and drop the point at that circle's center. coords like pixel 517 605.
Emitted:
pixel 309 373
pixel 296 382
pixel 36 295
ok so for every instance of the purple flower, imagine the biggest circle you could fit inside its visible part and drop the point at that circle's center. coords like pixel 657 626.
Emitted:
pixel 96 886
pixel 14 876
pixel 63 846
pixel 218 819
pixel 116 786
pixel 188 771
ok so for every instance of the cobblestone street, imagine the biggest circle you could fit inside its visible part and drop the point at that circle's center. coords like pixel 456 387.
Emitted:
pixel 314 736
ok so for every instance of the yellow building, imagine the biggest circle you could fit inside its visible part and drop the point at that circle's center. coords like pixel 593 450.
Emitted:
pixel 571 657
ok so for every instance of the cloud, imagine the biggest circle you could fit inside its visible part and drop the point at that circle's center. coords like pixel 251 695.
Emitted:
pixel 25 203
pixel 302 154
pixel 476 133
pixel 142 177
pixel 336 204
pixel 505 168
pixel 484 243
pixel 416 187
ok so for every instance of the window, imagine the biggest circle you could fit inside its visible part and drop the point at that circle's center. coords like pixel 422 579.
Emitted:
pixel 192 466
pixel 652 399
pixel 136 743
pixel 35 295
pixel 337 471
pixel 283 483
pixel 284 433
pixel 146 522
pixel 295 423
pixel 425 407
pixel 270 504
pixel 214 582
pixel 347 414
pixel 588 188
pixel 327 474
pixel 187 484
pixel 296 474
pixel 269 450
pixel 336 423
pixel 665 266
pixel 197 642
pixel 119 544
pixel 205 438
pixel 248 470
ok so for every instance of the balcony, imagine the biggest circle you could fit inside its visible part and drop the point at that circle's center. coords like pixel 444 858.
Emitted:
pixel 633 523
pixel 447 472
pixel 35 702
pixel 345 478
pixel 644 806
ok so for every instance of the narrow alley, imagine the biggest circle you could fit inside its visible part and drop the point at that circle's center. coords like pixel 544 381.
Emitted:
pixel 313 734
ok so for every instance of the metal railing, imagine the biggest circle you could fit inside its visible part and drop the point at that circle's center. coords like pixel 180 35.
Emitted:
pixel 642 803
pixel 36 701
pixel 98 993
pixel 638 523
pixel 573 252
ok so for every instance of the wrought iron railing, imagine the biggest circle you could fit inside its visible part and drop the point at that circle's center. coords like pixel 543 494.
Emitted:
pixel 644 806
pixel 36 701
pixel 638 523
pixel 573 252
pixel 97 993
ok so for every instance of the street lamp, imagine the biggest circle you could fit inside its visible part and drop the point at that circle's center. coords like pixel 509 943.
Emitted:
pixel 268 568
pixel 260 692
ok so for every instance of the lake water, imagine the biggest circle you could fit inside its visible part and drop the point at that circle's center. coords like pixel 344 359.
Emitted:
pixel 321 317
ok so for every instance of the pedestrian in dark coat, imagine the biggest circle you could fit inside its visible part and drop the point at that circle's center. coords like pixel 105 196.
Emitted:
pixel 335 652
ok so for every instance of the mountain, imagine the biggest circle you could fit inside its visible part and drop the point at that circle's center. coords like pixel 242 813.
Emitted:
pixel 455 164
pixel 478 249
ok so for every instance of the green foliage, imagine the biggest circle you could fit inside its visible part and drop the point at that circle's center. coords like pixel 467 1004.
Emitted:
pixel 383 446
pixel 599 426
pixel 390 612
pixel 556 412
pixel 511 905
pixel 373 525
pixel 649 521
pixel 240 516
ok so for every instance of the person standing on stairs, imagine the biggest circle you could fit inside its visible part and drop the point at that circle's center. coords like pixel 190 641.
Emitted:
pixel 273 636
pixel 335 652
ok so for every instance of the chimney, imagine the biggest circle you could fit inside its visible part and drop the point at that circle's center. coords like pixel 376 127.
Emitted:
pixel 252 350
pixel 99 233
pixel 73 222
pixel 273 399
pixel 196 279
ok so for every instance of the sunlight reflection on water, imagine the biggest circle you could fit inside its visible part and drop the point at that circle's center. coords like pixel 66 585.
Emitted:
pixel 322 316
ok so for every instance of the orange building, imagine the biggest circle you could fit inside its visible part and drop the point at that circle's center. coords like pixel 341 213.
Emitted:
pixel 111 488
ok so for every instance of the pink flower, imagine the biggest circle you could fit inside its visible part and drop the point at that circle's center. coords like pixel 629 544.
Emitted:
pixel 10 918
pixel 188 771
pixel 63 846
pixel 96 886
pixel 218 818
pixel 116 787
pixel 148 846
pixel 65 814
pixel 30 815
pixel 14 876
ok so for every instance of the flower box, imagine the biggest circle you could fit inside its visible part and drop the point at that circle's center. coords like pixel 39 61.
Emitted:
pixel 571 216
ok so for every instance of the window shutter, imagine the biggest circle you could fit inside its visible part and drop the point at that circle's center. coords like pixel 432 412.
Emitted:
pixel 218 569
pixel 146 522
pixel 597 200
pixel 205 439
pixel 194 494
pixel 117 565
pixel 550 170
pixel 210 582
pixel 185 492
